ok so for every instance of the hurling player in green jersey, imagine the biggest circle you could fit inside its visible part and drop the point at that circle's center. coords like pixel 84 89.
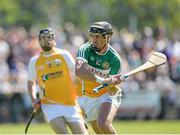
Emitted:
pixel 97 63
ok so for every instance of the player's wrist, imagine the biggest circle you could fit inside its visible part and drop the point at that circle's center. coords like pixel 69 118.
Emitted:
pixel 99 79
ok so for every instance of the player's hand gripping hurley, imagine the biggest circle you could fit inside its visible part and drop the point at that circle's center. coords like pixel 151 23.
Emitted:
pixel 154 60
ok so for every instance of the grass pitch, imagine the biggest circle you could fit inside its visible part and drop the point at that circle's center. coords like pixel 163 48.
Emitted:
pixel 122 127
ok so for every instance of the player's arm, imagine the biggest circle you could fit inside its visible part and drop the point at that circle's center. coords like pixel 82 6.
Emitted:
pixel 32 94
pixel 69 60
pixel 81 66
pixel 82 71
pixel 31 83
pixel 31 90
pixel 70 63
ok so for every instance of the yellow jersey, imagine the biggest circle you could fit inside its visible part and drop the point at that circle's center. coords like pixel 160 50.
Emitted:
pixel 53 76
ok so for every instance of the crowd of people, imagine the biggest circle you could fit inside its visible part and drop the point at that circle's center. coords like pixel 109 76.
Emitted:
pixel 17 46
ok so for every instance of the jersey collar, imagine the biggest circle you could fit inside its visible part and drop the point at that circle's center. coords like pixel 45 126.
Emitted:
pixel 104 52
pixel 47 54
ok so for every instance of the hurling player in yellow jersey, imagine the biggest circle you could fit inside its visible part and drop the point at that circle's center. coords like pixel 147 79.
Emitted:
pixel 51 72
pixel 96 63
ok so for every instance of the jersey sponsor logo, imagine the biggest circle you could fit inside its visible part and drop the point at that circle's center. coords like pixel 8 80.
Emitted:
pixel 45 77
pixel 105 65
pixel 52 75
pixel 95 71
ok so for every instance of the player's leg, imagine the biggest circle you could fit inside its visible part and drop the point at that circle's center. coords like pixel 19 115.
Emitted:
pixel 81 103
pixel 59 125
pixel 54 116
pixel 105 118
pixel 78 127
pixel 92 111
pixel 95 106
pixel 107 111
pixel 76 123
pixel 103 124
pixel 95 127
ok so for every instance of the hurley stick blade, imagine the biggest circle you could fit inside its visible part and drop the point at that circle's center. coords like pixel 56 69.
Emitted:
pixel 157 58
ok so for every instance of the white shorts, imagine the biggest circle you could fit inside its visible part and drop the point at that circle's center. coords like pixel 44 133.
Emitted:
pixel 69 113
pixel 81 102
pixel 91 105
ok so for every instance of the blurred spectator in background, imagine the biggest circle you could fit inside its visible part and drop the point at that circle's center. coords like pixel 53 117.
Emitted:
pixel 4 77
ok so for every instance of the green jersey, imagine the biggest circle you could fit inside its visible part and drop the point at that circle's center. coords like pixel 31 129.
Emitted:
pixel 103 65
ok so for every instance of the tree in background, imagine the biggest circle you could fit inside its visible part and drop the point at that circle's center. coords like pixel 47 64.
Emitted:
pixel 132 14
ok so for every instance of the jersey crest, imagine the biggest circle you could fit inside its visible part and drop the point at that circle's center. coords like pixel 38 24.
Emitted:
pixel 105 65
